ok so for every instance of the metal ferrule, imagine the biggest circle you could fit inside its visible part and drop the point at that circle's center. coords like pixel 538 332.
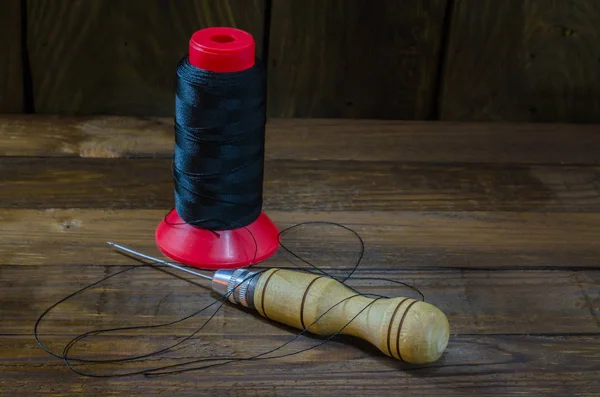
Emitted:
pixel 237 284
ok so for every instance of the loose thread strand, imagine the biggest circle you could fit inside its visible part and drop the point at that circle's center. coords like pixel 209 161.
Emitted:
pixel 220 302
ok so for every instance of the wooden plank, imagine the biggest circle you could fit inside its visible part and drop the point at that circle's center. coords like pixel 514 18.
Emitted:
pixel 523 61
pixel 115 57
pixel 86 136
pixel 475 301
pixel 490 365
pixel 11 67
pixel 393 240
pixel 310 185
pixel 322 65
pixel 313 139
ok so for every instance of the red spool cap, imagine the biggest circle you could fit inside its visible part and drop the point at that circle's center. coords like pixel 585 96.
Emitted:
pixel 222 50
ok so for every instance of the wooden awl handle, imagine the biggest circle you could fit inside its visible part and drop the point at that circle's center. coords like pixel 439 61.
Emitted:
pixel 404 328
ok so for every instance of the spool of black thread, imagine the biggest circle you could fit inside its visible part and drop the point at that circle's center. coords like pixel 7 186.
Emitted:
pixel 218 162
pixel 219 146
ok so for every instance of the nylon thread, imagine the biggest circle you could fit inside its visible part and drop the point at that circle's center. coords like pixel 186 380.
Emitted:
pixel 210 361
pixel 218 161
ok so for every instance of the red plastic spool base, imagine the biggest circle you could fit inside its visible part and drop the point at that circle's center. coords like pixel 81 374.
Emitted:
pixel 220 50
pixel 229 249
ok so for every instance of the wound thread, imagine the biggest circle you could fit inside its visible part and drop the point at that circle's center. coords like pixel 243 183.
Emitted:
pixel 218 162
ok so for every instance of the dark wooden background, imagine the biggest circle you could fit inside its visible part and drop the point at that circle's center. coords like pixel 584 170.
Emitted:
pixel 490 60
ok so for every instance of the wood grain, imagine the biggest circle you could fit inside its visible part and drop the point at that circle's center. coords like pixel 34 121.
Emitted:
pixel 11 67
pixel 114 57
pixel 309 185
pixel 313 139
pixel 410 330
pixel 476 302
pixel 336 58
pixel 411 240
pixel 523 61
pixel 499 231
pixel 86 136
pixel 477 365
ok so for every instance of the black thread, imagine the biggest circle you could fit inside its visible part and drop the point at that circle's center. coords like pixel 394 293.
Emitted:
pixel 218 162
pixel 219 303
pixel 218 172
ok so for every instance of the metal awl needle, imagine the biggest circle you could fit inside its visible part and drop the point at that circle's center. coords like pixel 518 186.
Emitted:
pixel 136 253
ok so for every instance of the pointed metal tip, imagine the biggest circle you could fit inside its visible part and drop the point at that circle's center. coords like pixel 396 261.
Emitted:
pixel 148 257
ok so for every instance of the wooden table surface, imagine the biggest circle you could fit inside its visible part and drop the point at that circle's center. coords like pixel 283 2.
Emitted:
pixel 497 224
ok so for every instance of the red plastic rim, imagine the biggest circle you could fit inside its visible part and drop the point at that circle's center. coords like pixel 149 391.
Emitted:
pixel 222 50
pixel 226 249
